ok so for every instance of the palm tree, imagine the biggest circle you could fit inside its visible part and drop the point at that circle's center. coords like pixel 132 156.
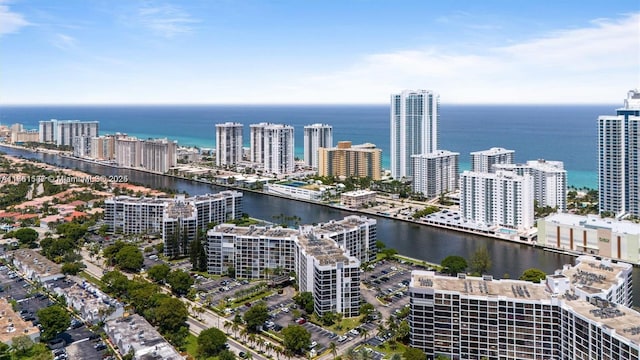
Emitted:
pixel 334 349
pixel 234 328
pixel 249 355
pixel 365 333
pixel 260 343
pixel 351 354
pixel 252 338
pixel 243 334
pixel 226 326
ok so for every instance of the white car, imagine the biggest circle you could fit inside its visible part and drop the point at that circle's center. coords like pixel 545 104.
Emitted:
pixel 285 309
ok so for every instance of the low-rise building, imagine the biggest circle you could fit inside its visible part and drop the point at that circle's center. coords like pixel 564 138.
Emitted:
pixel 591 234
pixel 12 325
pixel 294 190
pixel 134 334
pixel 357 199
pixel 35 266
pixel 93 305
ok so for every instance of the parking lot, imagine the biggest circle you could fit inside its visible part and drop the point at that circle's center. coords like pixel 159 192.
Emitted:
pixel 215 291
pixel 13 286
pixel 86 349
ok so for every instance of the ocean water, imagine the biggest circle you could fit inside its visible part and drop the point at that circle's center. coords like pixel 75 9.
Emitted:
pixel 567 133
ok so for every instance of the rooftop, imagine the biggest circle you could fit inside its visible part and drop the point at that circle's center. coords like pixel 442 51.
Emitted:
pixel 12 325
pixel 256 231
pixel 493 151
pixel 595 222
pixel 324 250
pixel 624 321
pixel 36 262
pixel 358 193
pixel 134 332
pixel 594 276
pixel 482 286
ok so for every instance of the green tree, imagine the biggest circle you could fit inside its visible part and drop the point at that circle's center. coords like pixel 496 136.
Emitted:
pixel 414 354
pixel 296 339
pixel 180 281
pixel 159 273
pixel 72 268
pixel 256 316
pixel 328 318
pixel 54 319
pixel 533 275
pixel 454 264
pixel 129 258
pixel 26 236
pixel 22 344
pixel 389 253
pixel 480 261
pixel 226 355
pixel 366 309
pixel 211 342
pixel 71 230
pixel 305 301
pixel 170 314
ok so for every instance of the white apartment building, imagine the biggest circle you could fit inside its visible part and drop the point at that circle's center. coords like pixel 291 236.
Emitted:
pixel 134 334
pixel 549 181
pixel 435 173
pixel 471 317
pixel 82 146
pixel 414 128
pixel 128 152
pixel 228 143
pixel 357 199
pixel 329 273
pixel 483 161
pixel 159 155
pixel 322 266
pixel 616 239
pixel 272 145
pixel 62 132
pixel 502 198
pixel 357 234
pixel 176 219
pixel 316 136
pixel 619 159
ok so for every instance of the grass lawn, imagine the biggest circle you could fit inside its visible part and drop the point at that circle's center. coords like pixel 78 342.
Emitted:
pixel 90 278
pixel 192 345
pixel 388 351
pixel 342 327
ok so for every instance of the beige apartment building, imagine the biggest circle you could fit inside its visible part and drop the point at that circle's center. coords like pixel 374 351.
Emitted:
pixel 345 160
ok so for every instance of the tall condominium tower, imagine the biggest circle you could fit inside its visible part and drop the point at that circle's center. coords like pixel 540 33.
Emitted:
pixel 619 159
pixel 63 132
pixel 316 136
pixel 414 128
pixel 228 143
pixel 272 145
pixel 483 161
pixel 435 173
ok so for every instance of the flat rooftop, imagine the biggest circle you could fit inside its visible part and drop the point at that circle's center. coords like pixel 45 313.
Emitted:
pixel 486 286
pixel 624 321
pixel 36 262
pixel 594 275
pixel 325 250
pixel 595 222
pixel 348 223
pixel 256 231
pixel 493 151
pixel 12 325
pixel 135 332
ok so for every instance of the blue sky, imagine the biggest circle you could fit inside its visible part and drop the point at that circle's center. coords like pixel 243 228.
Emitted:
pixel 320 52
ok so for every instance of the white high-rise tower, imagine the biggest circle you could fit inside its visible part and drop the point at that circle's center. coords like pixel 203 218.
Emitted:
pixel 316 136
pixel 228 143
pixel 414 128
pixel 619 159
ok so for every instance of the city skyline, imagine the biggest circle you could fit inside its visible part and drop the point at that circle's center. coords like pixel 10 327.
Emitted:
pixel 315 53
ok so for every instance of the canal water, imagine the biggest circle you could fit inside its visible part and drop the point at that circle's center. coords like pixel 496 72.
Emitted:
pixel 417 241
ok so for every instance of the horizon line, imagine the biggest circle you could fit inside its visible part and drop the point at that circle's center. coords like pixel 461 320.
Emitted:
pixel 299 104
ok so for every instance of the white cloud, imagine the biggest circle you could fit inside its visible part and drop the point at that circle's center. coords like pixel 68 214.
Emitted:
pixel 64 42
pixel 166 20
pixel 598 63
pixel 10 22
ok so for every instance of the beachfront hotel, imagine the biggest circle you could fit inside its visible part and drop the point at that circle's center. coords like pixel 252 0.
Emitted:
pixel 316 136
pixel 414 128
pixel 323 266
pixel 228 143
pixel 62 132
pixel 345 160
pixel 502 198
pixel 580 312
pixel 619 159
pixel 272 146
pixel 177 220
pixel 435 173
pixel 591 234
pixel 483 161
pixel 549 181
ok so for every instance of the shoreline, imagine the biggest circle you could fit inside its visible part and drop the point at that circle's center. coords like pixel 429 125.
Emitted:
pixel 367 212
